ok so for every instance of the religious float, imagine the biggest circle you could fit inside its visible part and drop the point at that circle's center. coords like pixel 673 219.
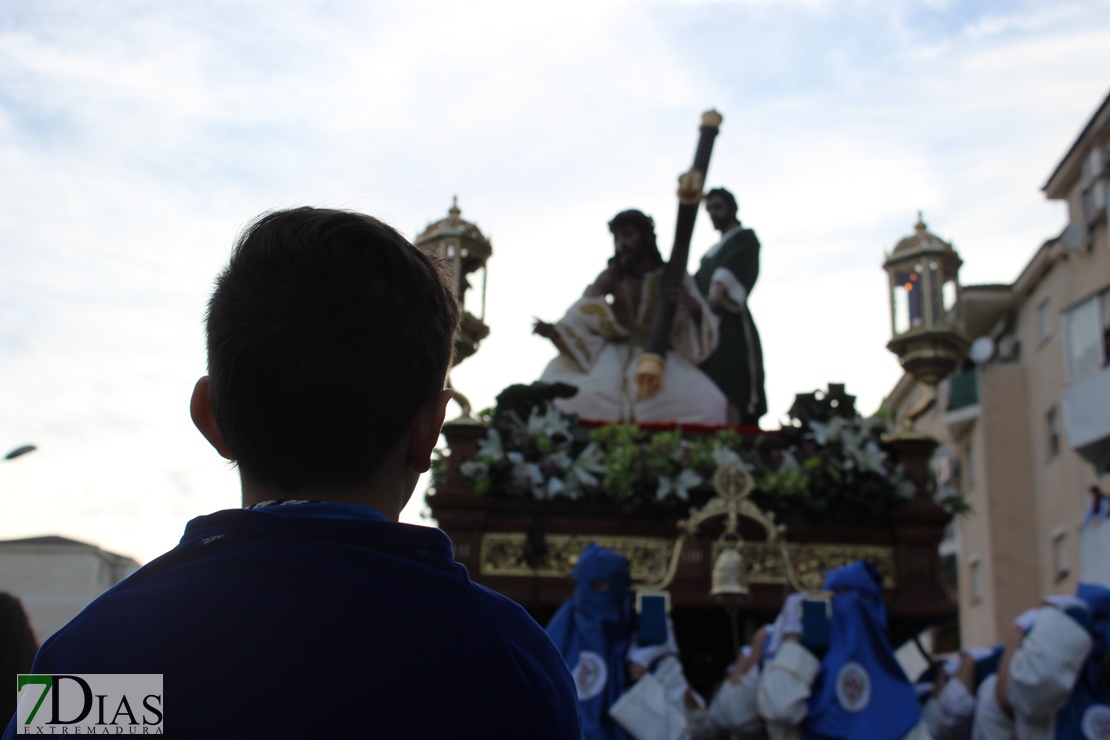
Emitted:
pixel 724 521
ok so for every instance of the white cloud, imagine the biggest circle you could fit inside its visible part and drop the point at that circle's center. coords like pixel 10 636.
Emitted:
pixel 136 140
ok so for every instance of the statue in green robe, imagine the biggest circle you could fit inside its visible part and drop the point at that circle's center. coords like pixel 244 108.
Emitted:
pixel 726 276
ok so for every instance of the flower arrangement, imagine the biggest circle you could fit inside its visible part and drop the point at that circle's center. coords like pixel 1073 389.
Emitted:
pixel 828 464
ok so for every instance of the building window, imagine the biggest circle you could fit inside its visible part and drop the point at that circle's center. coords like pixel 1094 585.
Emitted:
pixel 1086 336
pixel 969 464
pixel 1060 553
pixel 1093 182
pixel 1104 310
pixel 975 571
pixel 946 472
pixel 1044 319
pixel 1052 426
pixel 1094 204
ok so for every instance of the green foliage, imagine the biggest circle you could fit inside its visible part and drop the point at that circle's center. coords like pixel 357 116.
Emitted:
pixel 830 465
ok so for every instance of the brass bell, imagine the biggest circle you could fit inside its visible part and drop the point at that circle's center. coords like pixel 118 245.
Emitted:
pixel 729 578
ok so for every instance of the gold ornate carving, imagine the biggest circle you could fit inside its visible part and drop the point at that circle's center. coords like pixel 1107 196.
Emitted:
pixel 604 317
pixel 649 374
pixel 811 562
pixel 502 554
pixel 690 184
pixel 578 342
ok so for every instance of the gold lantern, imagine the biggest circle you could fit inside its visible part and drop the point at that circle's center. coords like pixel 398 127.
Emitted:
pixel 462 245
pixel 924 310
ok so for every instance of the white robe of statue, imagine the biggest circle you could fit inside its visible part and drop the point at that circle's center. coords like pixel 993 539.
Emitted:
pixel 602 356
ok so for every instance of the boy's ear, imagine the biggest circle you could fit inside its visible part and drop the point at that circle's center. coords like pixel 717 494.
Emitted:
pixel 201 411
pixel 424 432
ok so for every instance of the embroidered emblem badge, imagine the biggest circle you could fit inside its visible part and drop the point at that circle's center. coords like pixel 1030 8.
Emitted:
pixel 590 675
pixel 1096 722
pixel 853 687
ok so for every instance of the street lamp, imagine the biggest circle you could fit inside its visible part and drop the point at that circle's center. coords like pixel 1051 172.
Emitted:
pixel 20 452
pixel 928 336
pixel 462 246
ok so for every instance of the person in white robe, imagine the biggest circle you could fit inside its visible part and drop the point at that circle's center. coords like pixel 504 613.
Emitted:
pixel 734 711
pixel 790 679
pixel 660 704
pixel 1045 651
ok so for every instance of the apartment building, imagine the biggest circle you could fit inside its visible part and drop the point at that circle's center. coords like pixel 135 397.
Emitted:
pixel 1024 424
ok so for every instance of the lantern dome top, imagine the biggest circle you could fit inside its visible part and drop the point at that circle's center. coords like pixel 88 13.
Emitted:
pixel 922 240
pixel 455 227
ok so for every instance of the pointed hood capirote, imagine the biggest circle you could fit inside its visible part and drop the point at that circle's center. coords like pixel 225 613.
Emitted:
pixel 592 630
pixel 1088 709
pixel 860 690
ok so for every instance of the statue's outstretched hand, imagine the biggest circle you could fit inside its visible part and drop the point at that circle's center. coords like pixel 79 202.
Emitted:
pixel 544 329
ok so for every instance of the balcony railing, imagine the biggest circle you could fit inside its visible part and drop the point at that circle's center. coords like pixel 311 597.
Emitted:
pixel 963 390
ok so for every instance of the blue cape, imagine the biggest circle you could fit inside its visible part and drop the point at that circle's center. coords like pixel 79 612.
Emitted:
pixel 592 630
pixel 1089 690
pixel 860 690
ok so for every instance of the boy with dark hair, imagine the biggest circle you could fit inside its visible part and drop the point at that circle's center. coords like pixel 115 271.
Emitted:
pixel 311 612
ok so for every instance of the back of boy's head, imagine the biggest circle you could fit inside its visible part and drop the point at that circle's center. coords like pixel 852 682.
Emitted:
pixel 326 332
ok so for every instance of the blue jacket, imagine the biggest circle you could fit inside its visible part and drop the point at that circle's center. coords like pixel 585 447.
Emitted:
pixel 322 620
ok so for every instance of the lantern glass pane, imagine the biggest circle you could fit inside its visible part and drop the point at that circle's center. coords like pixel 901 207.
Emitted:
pixel 935 304
pixel 473 287
pixel 909 303
pixel 901 309
pixel 948 294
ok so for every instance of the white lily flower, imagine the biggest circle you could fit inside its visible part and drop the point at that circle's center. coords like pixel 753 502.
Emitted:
pixel 474 469
pixel 589 465
pixel 871 457
pixel 527 474
pixel 679 486
pixel 724 456
pixel 548 423
pixel 554 487
pixel 820 432
pixel 851 439
pixel 559 461
pixel 533 475
pixel 790 463
pixel 491 447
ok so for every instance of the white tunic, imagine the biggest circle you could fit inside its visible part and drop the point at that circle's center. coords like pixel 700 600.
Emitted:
pixel 1042 673
pixel 784 691
pixel 602 357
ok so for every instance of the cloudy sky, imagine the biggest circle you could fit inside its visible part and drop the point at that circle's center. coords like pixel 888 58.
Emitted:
pixel 137 138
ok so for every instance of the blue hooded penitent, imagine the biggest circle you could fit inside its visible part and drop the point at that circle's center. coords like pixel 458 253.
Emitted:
pixel 592 630
pixel 1088 709
pixel 860 690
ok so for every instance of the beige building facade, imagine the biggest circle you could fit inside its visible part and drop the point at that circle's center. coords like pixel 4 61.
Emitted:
pixel 1024 425
pixel 56 577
